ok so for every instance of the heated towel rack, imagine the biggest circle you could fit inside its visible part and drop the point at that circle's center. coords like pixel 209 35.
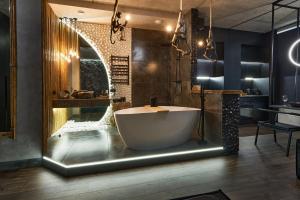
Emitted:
pixel 119 70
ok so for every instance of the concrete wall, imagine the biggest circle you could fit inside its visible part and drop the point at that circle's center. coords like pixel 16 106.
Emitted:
pixel 27 146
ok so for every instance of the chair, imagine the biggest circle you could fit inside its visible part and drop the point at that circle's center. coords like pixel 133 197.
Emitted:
pixel 276 126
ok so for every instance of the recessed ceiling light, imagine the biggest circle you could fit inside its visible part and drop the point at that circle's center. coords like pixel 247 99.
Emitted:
pixel 158 21
pixel 80 12
pixel 169 28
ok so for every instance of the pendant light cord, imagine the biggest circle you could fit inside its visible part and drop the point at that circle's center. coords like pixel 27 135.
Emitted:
pixel 181 5
pixel 210 19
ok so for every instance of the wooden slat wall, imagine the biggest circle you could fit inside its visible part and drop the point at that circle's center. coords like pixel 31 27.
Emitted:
pixel 13 68
pixel 56 70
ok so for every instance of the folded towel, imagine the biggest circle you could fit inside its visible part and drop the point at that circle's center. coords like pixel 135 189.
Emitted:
pixel 156 109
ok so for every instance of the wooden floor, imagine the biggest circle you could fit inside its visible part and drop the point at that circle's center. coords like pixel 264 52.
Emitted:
pixel 250 130
pixel 256 173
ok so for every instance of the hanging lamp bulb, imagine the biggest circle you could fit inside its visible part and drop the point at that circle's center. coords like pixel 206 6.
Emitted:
pixel 179 40
pixel 116 26
pixel 210 52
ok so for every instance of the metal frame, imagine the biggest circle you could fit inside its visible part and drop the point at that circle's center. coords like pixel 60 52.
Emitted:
pixel 279 4
pixel 12 83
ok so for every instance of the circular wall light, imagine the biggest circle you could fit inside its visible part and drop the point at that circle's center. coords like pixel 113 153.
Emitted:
pixel 291 50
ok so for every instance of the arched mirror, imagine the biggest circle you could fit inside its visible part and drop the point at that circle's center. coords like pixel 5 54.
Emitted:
pixel 93 76
pixel 76 87
pixel 7 68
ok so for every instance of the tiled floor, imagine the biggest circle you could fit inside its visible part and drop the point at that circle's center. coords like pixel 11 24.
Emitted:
pixel 102 143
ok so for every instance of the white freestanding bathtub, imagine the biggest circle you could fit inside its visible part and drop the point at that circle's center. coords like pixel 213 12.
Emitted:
pixel 144 128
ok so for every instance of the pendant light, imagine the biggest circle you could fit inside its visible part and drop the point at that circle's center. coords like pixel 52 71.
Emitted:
pixel 210 52
pixel 116 26
pixel 179 40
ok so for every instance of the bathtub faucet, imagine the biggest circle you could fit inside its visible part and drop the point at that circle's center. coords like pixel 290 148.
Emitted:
pixel 153 101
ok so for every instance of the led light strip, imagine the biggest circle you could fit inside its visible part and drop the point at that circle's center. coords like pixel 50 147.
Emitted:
pixel 285 30
pixel 249 78
pixel 203 77
pixel 99 163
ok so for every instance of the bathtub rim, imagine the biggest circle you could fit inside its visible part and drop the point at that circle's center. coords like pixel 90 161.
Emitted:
pixel 123 111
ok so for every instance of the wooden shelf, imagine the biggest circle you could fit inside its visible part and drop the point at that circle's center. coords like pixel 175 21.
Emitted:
pixel 239 92
pixel 80 103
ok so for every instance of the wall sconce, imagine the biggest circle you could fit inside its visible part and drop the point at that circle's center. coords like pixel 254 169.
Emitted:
pixel 116 26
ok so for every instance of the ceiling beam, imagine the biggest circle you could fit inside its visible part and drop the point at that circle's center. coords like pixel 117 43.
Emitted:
pixel 109 7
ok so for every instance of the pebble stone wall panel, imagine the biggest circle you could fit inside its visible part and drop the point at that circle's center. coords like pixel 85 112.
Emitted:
pixel 230 121
pixel 98 35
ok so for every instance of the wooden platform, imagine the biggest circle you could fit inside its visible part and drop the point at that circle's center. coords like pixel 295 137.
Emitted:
pixel 80 103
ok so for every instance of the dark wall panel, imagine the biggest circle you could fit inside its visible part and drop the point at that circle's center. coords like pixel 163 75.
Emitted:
pixel 4 72
pixel 233 41
pixel 151 62
pixel 29 85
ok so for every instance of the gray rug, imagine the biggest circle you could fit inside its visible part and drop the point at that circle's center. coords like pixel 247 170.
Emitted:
pixel 216 195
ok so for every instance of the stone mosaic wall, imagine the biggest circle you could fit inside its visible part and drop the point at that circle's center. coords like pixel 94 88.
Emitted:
pixel 98 35
pixel 93 76
pixel 230 121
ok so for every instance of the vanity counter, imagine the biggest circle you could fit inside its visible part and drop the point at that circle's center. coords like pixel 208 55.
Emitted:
pixel 80 103
pixel 221 92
